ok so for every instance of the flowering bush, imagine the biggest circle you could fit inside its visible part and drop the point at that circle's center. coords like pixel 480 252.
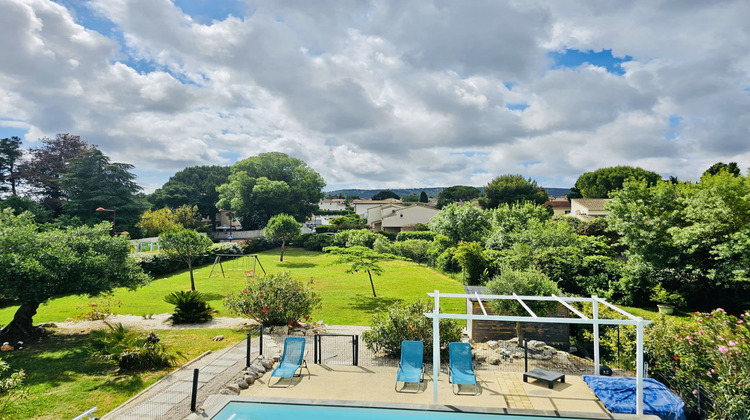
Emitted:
pixel 274 299
pixel 706 357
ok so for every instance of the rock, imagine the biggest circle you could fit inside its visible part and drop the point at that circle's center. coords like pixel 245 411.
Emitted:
pixel 249 379
pixel 535 344
pixel 243 385
pixel 309 333
pixel 218 338
pixel 69 319
pixel 297 334
pixel 494 358
pixel 280 330
pixel 493 344
pixel 225 391
pixel 267 363
pixel 7 347
pixel 234 388
pixel 47 325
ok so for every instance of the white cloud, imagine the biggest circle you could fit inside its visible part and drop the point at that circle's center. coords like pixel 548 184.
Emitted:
pixel 386 93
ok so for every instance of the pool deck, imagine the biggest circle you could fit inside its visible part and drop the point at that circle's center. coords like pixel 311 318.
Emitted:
pixel 497 390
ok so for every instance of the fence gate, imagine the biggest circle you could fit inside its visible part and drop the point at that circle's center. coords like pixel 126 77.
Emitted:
pixel 336 349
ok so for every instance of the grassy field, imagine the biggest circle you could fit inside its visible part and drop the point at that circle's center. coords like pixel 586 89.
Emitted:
pixel 347 298
pixel 64 381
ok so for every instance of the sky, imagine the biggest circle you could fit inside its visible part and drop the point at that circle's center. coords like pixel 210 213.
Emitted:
pixel 385 94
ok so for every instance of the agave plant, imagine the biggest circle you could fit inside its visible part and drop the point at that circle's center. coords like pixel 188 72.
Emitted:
pixel 190 307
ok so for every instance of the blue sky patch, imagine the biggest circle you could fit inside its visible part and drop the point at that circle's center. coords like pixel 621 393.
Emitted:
pixel 207 11
pixel 674 123
pixel 517 107
pixel 573 58
pixel 8 132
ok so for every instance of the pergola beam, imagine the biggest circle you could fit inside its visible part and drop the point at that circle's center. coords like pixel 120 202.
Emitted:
pixel 533 315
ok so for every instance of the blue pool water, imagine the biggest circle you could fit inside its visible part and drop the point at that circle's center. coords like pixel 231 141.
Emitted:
pixel 251 411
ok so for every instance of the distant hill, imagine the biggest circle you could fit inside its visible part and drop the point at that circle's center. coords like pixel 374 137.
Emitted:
pixel 431 192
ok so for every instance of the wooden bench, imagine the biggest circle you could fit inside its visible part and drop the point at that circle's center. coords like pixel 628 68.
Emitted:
pixel 544 375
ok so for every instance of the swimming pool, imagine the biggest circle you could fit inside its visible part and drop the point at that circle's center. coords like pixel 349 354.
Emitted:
pixel 237 410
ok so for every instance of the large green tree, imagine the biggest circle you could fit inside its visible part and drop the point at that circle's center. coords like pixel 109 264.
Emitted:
pixel 512 189
pixel 457 193
pixel 92 181
pixel 37 265
pixel 46 166
pixel 717 167
pixel 194 186
pixel 601 182
pixel 385 194
pixel 187 245
pixel 461 223
pixel 10 155
pixel 268 184
pixel 284 228
pixel 692 237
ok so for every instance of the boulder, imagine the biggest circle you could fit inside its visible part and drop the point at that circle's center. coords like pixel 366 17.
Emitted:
pixel 297 334
pixel 267 363
pixel 234 388
pixel 243 384
pixel 309 333
pixel 218 338
pixel 7 347
pixel 249 379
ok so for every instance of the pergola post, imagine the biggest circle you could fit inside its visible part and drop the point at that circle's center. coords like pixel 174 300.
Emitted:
pixel 595 305
pixel 435 347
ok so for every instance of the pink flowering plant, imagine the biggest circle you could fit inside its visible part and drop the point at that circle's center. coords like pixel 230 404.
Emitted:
pixel 274 299
pixel 710 352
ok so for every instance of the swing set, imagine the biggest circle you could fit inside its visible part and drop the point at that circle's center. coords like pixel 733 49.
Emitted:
pixel 237 262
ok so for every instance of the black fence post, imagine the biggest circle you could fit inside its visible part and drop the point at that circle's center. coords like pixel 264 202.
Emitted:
pixel 315 349
pixel 194 397
pixel 249 345
pixel 525 356
pixel 356 350
pixel 260 346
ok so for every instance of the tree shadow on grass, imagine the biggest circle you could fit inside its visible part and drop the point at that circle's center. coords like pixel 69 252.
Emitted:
pixel 212 296
pixel 370 304
pixel 297 265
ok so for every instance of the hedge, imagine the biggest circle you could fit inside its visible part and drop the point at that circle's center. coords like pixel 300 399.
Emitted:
pixel 423 235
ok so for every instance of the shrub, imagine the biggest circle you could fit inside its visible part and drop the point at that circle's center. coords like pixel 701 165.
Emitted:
pixel 391 236
pixel 413 249
pixel 190 308
pixel 424 235
pixel 447 262
pixel 382 245
pixel 407 322
pixel 470 255
pixel 315 242
pixel 325 229
pixel 130 350
pixel 354 237
pixel 274 299
pixel 710 352
pixel 9 385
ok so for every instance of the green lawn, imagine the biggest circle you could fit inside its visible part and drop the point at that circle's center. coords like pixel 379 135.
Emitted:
pixel 64 381
pixel 347 298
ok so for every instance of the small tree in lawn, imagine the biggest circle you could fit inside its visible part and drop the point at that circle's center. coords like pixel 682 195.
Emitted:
pixel 186 245
pixel 361 259
pixel 523 283
pixel 284 228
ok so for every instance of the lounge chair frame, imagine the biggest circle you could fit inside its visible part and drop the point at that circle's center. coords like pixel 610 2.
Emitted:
pixel 421 374
pixel 302 364
pixel 456 388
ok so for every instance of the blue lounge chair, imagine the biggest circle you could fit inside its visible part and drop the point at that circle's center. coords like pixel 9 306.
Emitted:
pixel 411 366
pixel 291 360
pixel 461 368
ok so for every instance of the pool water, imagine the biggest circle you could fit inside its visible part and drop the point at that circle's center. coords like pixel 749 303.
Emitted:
pixel 236 410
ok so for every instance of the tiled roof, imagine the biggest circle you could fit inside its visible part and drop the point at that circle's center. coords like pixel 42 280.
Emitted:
pixel 595 204
pixel 557 204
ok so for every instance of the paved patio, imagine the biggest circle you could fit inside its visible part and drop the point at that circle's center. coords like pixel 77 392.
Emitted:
pixel 376 384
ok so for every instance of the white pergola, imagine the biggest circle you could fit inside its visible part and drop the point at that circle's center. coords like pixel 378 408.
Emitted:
pixel 595 321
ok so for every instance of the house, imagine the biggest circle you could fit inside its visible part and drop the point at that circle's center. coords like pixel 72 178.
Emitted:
pixel 398 218
pixel 559 207
pixel 588 208
pixel 332 204
pixel 556 335
pixel 361 206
